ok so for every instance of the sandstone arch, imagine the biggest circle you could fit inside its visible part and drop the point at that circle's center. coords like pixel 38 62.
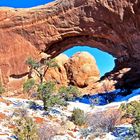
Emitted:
pixel 110 25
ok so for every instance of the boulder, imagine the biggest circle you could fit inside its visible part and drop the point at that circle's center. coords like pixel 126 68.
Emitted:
pixel 82 70
pixel 59 74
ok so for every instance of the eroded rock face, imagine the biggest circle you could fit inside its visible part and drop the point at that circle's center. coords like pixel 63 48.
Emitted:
pixel 112 26
pixel 14 51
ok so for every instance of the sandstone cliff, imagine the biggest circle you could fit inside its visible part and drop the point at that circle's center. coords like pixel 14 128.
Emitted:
pixel 58 75
pixel 112 26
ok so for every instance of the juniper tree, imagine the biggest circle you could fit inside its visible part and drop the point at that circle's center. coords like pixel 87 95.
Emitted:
pixel 46 94
pixel 45 90
pixel 69 93
pixel 41 68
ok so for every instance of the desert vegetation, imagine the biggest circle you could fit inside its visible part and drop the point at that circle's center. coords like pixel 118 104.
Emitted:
pixel 46 90
pixel 54 103
pixel 40 67
pixel 103 122
pixel 78 117
pixel 132 110
pixel 46 94
pixel 2 89
pixel 69 93
pixel 28 86
pixel 25 127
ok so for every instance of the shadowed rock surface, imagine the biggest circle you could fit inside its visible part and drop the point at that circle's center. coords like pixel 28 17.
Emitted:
pixel 112 26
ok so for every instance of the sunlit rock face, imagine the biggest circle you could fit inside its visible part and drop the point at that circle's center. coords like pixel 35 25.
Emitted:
pixel 112 26
pixel 80 70
pixel 58 75
pixel 14 51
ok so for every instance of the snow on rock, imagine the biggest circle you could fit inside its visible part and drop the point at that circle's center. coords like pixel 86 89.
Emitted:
pixel 82 106
pixel 8 105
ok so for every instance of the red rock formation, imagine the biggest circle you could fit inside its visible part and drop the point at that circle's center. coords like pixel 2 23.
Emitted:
pixel 14 51
pixel 82 70
pixel 58 75
pixel 112 26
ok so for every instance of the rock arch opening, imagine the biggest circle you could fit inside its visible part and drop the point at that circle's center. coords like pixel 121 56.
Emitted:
pixel 104 60
pixel 80 67
pixel 120 76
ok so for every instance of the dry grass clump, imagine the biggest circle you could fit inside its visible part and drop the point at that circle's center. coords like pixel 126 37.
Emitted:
pixel 48 131
pixel 103 122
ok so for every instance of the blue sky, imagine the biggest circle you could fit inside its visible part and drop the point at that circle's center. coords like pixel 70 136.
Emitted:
pixel 104 61
pixel 23 3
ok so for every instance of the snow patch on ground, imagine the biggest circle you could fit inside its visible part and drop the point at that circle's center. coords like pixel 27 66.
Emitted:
pixel 6 133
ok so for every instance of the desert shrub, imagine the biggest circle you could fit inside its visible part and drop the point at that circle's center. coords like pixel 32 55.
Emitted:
pixel 45 89
pixel 102 122
pixel 47 131
pixel 20 112
pixel 2 89
pixel 46 94
pixel 28 85
pixel 78 117
pixel 32 63
pixel 25 127
pixel 41 67
pixel 69 93
pixel 132 110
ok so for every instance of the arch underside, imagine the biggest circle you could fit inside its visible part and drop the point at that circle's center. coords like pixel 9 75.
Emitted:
pixel 101 43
